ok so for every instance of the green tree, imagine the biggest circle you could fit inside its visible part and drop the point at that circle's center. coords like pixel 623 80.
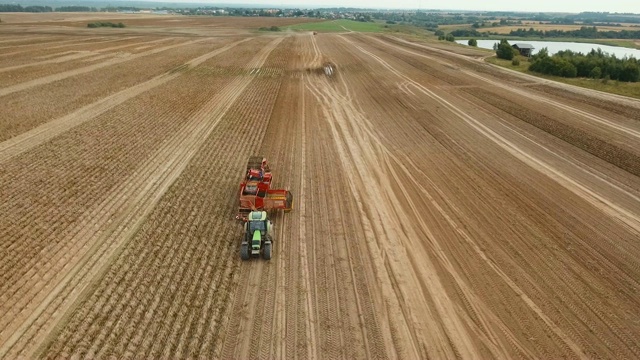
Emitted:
pixel 596 73
pixel 505 51
pixel 450 37
pixel 630 72
pixel 473 42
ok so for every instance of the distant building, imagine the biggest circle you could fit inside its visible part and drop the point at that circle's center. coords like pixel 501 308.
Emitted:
pixel 523 49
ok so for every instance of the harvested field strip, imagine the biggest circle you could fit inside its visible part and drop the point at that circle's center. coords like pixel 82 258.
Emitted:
pixel 622 336
pixel 609 125
pixel 200 176
pixel 87 51
pixel 594 198
pixel 57 77
pixel 423 230
pixel 57 43
pixel 548 260
pixel 165 124
pixel 147 43
pixel 263 332
pixel 27 70
pixel 582 139
pixel 148 185
pixel 630 112
pixel 26 110
pixel 259 336
pixel 49 130
pixel 622 124
pixel 24 38
pixel 410 237
pixel 89 41
pixel 155 125
pixel 332 296
pixel 351 150
pixel 442 208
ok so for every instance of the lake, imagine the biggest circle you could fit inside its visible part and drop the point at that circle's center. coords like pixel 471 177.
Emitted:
pixel 555 46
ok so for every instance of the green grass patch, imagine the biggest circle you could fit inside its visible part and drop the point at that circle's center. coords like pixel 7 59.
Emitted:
pixel 343 25
pixel 105 24
pixel 272 28
pixel 611 86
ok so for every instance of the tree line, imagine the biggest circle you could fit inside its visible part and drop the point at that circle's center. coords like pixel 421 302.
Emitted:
pixel 585 32
pixel 20 8
pixel 42 9
pixel 596 64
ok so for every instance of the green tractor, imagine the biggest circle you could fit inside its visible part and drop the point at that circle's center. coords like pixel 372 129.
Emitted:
pixel 257 236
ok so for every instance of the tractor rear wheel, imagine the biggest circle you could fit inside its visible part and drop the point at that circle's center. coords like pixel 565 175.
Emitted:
pixel 244 252
pixel 266 252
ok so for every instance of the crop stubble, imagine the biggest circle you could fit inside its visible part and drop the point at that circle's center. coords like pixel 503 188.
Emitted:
pixel 435 214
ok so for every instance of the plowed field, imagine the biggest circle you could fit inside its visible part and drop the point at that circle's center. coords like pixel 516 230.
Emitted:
pixel 444 208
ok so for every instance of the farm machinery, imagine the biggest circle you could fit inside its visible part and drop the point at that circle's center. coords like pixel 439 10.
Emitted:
pixel 257 236
pixel 257 198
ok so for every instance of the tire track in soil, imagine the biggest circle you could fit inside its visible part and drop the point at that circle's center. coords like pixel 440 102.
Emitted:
pixel 593 309
pixel 32 138
pixel 146 188
pixel 608 207
pixel 533 306
pixel 324 94
pixel 340 245
pixel 324 291
pixel 366 126
pixel 616 127
pixel 302 326
pixel 326 295
pixel 278 147
pixel 253 308
pixel 63 75
pixel 304 299
pixel 543 303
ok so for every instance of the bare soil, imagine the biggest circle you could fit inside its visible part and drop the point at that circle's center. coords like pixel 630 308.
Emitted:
pixel 444 208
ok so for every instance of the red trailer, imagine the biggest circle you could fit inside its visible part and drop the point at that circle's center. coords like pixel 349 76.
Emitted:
pixel 256 193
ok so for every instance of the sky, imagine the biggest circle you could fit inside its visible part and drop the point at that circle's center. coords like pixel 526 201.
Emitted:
pixel 626 6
